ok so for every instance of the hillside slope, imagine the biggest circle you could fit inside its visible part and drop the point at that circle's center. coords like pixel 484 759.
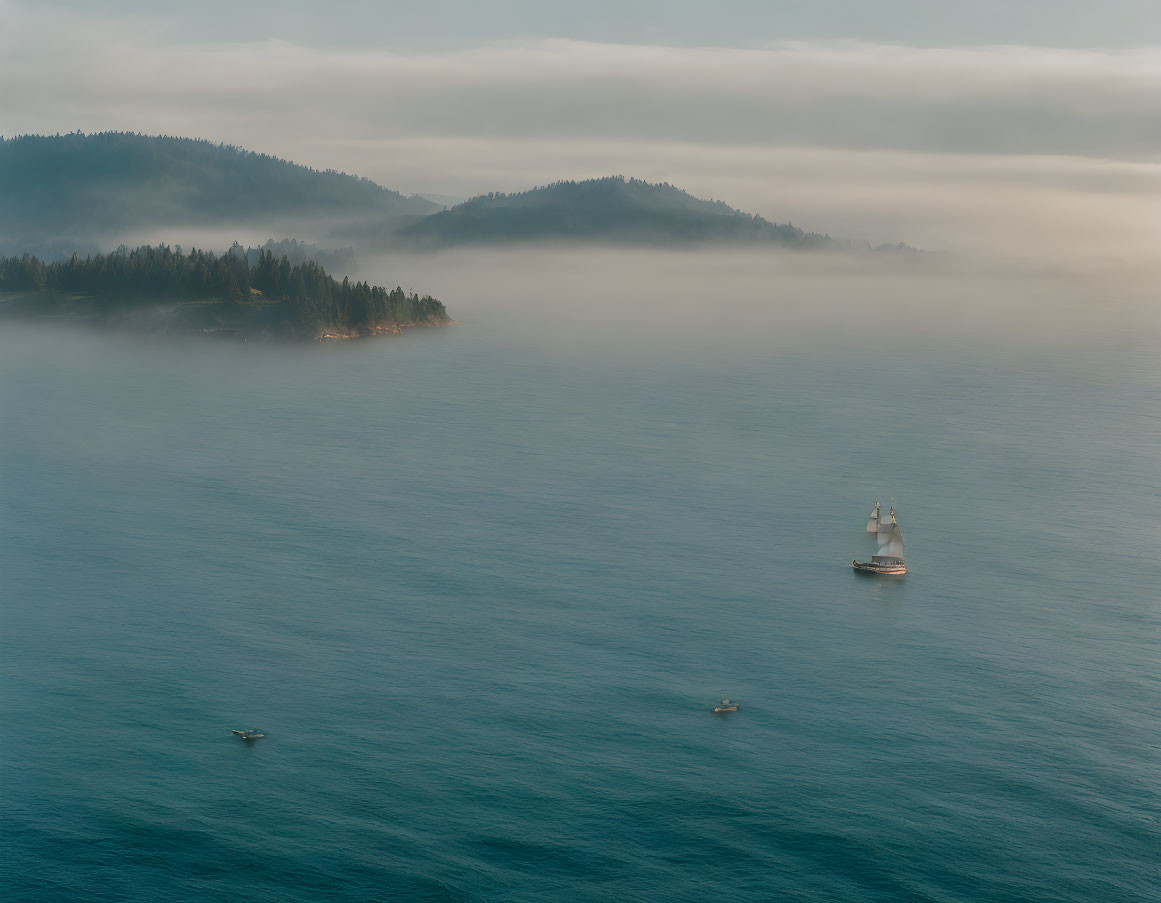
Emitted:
pixel 103 184
pixel 90 193
pixel 610 209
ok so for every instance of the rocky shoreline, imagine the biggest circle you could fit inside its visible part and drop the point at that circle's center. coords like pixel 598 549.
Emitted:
pixel 382 329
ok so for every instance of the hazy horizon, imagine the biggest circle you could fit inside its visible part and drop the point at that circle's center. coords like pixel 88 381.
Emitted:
pixel 983 143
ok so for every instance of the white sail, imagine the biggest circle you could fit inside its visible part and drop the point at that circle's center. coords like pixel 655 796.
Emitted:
pixel 886 523
pixel 873 521
pixel 893 544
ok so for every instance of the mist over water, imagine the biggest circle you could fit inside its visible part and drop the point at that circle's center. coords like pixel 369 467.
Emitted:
pixel 756 299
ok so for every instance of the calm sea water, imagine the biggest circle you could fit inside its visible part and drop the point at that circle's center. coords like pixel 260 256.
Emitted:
pixel 481 594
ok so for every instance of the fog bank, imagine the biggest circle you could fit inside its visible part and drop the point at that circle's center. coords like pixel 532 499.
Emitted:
pixel 782 300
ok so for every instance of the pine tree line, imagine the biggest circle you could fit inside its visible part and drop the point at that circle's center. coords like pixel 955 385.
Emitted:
pixel 308 295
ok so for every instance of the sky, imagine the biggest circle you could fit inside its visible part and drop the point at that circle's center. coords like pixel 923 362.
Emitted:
pixel 975 127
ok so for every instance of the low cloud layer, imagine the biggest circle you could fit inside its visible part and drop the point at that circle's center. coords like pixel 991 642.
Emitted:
pixel 683 301
pixel 967 147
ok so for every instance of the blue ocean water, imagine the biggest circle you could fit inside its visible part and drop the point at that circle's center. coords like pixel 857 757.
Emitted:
pixel 481 594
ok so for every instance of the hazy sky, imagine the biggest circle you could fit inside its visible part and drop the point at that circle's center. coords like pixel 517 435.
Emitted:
pixel 445 24
pixel 977 126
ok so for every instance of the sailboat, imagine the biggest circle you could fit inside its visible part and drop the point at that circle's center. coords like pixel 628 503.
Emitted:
pixel 873 520
pixel 889 558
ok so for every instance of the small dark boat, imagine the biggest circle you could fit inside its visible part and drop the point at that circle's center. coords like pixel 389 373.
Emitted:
pixel 249 734
pixel 889 559
pixel 726 705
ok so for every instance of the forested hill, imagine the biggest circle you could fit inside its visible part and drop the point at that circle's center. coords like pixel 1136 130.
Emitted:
pixel 610 209
pixel 164 288
pixel 97 184
pixel 87 193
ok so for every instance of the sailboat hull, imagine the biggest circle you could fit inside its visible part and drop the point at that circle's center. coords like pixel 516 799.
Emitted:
pixel 893 569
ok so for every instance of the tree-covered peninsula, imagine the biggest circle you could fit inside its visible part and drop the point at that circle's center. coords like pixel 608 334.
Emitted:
pixel 166 289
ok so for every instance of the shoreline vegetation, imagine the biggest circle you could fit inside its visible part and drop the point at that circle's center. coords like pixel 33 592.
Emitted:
pixel 163 289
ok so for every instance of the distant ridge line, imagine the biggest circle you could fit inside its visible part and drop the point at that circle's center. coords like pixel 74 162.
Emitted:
pixel 81 191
